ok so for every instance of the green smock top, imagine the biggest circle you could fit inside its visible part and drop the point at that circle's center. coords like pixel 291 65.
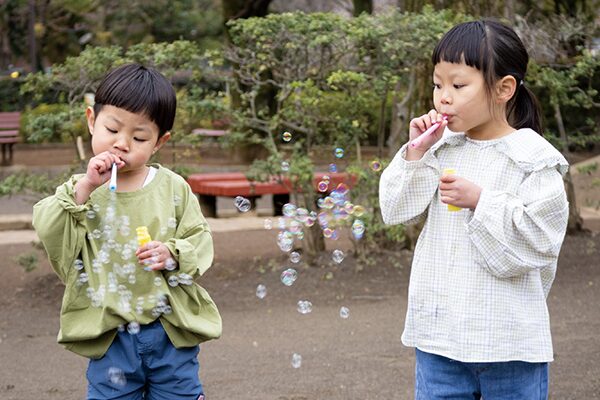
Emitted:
pixel 92 247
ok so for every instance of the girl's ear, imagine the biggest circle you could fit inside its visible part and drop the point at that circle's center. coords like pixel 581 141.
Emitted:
pixel 505 89
pixel 91 118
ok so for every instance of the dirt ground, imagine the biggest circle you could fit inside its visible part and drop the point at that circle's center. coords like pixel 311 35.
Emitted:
pixel 356 358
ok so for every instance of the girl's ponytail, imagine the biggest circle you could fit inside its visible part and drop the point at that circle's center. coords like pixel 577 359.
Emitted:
pixel 523 110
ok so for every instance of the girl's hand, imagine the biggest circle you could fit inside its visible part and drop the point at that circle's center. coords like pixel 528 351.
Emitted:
pixel 459 192
pixel 155 256
pixel 421 124
pixel 99 168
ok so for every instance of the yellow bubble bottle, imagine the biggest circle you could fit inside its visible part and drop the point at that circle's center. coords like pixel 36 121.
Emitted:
pixel 143 237
pixel 451 171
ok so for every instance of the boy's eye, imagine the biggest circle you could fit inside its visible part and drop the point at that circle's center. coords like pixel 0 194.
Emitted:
pixel 110 130
pixel 139 140
pixel 458 86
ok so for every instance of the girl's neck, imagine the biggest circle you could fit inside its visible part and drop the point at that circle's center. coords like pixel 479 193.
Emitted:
pixel 490 131
pixel 130 181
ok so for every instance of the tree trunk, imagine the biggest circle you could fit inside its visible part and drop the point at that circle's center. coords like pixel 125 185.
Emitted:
pixel 33 57
pixel 561 127
pixel 400 114
pixel 361 6
pixel 575 223
pixel 381 127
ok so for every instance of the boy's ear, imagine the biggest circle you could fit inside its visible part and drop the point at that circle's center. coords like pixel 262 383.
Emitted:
pixel 506 88
pixel 162 140
pixel 91 118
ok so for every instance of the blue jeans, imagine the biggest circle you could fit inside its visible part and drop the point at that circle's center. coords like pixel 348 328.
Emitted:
pixel 145 366
pixel 439 377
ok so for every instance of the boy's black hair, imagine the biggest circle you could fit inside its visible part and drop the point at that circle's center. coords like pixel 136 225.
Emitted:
pixel 495 50
pixel 139 89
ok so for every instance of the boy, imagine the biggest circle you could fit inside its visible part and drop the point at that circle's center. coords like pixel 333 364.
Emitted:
pixel 133 310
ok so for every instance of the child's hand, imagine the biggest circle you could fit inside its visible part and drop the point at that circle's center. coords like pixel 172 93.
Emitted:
pixel 155 256
pixel 99 168
pixel 421 124
pixel 459 192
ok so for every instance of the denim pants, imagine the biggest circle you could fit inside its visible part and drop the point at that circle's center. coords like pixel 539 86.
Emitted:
pixel 438 377
pixel 145 366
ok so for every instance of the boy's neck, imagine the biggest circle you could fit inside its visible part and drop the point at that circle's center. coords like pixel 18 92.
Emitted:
pixel 130 181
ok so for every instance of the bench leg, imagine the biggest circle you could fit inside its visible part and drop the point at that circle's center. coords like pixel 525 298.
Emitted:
pixel 4 154
pixel 208 205
pixel 279 200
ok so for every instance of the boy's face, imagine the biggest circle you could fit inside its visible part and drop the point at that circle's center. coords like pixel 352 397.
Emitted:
pixel 132 137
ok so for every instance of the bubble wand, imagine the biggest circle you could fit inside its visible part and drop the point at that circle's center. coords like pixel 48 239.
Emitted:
pixel 113 178
pixel 428 132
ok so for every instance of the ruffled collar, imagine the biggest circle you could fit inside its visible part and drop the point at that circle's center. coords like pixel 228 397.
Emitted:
pixel 529 150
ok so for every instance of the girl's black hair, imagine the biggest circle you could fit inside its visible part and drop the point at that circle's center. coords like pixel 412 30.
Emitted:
pixel 495 50
pixel 139 89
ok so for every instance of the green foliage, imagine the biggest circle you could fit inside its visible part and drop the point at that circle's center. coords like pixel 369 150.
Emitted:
pixel 29 261
pixel 588 168
pixel 40 185
pixel 53 123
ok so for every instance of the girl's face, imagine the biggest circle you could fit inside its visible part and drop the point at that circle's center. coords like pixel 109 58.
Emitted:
pixel 459 91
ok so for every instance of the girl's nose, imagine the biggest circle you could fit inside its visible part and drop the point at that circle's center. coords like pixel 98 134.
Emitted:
pixel 446 98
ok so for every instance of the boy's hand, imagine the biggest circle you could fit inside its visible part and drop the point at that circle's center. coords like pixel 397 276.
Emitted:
pixel 99 168
pixel 155 256
pixel 459 192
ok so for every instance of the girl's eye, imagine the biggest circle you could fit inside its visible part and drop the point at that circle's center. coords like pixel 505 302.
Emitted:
pixel 458 86
pixel 436 86
pixel 110 130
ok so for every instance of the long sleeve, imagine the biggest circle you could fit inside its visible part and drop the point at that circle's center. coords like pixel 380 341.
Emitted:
pixel 192 245
pixel 406 188
pixel 518 233
pixel 57 221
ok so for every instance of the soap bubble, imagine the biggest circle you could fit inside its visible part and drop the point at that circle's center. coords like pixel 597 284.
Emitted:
pixel 304 306
pixel 376 165
pixel 296 360
pixel 170 264
pixel 176 200
pixel 96 234
pixel 295 257
pixel 289 210
pixel 157 281
pixel 322 186
pixel 339 152
pixel 96 207
pixel 261 291
pixel 289 276
pixel 332 167
pixel 242 204
pixel 268 223
pixel 358 229
pixel 83 278
pixel 133 328
pixel 328 233
pixel 131 279
pixel 344 312
pixel 117 377
pixel 91 214
pixel 172 222
pixel 286 136
pixel 78 264
pixel 173 281
pixel 285 166
pixel 358 211
pixel 185 279
pixel 337 256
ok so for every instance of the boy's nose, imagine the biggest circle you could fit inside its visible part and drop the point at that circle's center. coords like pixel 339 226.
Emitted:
pixel 121 144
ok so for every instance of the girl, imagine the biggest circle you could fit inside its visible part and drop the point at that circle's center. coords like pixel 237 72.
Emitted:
pixel 477 311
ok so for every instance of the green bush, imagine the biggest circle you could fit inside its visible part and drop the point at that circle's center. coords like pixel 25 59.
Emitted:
pixel 53 123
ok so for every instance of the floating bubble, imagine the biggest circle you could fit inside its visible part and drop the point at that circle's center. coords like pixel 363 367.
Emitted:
pixel 91 214
pixel 268 224
pixel 96 234
pixel 328 202
pixel 172 222
pixel 344 312
pixel 342 189
pixel 376 165
pixel 117 377
pixel 332 167
pixel 321 202
pixel 261 291
pixel 322 186
pixel 289 210
pixel 83 278
pixel 286 136
pixel 173 281
pixel 337 256
pixel 285 241
pixel 301 214
pixel 285 166
pixel 242 204
pixel 185 279
pixel 304 306
pixel 78 264
pixel 327 232
pixel 170 264
pixel 358 228
pixel 359 211
pixel 296 360
pixel 133 328
pixel 131 279
pixel 295 257
pixel 339 152
pixel 139 309
pixel 289 276
pixel 157 281
pixel 96 207
pixel 176 200
pixel 348 207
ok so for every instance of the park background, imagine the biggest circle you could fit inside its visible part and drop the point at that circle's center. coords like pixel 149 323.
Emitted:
pixel 335 75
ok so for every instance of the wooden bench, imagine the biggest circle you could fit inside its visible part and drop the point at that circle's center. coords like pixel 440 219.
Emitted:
pixel 209 132
pixel 209 186
pixel 9 134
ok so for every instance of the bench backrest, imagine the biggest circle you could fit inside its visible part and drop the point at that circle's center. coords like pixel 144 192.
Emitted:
pixel 10 120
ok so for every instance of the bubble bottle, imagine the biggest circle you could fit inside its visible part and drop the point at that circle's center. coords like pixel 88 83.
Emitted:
pixel 143 237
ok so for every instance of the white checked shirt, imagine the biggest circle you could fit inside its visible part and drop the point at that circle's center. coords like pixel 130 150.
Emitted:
pixel 479 279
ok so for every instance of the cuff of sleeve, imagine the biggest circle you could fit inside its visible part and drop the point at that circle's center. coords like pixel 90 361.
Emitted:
pixel 189 260
pixel 428 159
pixel 65 194
pixel 488 203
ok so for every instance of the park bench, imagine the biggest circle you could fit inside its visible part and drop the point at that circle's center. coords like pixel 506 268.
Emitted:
pixel 209 132
pixel 9 134
pixel 209 186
